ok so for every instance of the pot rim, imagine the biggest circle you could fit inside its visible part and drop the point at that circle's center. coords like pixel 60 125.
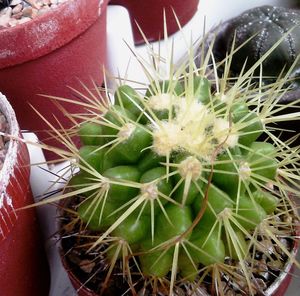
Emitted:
pixel 284 273
pixel 11 155
pixel 11 158
pixel 48 31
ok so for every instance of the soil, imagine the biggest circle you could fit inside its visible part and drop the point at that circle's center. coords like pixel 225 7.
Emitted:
pixel 91 268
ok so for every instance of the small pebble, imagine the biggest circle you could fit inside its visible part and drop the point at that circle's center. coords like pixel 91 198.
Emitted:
pixel 46 2
pixel 15 2
pixel 87 265
pixel 276 264
pixel 18 8
pixel 261 284
pixel 27 11
pixel 43 10
pixel 17 16
pixel 32 3
pixel 24 20
pixel 229 293
pixel 265 275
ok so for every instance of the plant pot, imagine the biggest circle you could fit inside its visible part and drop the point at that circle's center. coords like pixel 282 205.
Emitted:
pixel 61 48
pixel 278 287
pixel 23 268
pixel 149 15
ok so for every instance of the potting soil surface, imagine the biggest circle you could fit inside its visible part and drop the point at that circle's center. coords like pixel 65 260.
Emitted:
pixel 14 12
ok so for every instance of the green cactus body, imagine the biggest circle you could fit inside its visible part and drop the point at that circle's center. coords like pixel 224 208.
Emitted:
pixel 129 99
pixel 202 88
pixel 236 246
pixel 120 193
pixel 171 177
pixel 206 246
pixel 97 215
pixel 266 200
pixel 114 119
pixel 179 184
pixel 155 261
pixel 90 133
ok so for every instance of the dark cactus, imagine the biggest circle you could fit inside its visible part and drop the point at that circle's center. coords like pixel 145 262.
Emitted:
pixel 260 28
pixel 4 3
pixel 256 31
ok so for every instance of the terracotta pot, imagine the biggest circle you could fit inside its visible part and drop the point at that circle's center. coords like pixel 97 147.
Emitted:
pixel 46 55
pixel 149 15
pixel 23 264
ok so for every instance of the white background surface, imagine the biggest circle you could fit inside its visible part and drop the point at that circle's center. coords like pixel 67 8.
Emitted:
pixel 121 62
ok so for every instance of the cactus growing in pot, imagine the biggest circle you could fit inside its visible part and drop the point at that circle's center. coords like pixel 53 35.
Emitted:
pixel 175 194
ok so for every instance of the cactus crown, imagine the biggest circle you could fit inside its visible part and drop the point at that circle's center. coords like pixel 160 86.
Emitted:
pixel 183 182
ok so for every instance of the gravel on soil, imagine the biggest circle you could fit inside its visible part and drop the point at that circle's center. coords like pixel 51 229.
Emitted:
pixel 22 11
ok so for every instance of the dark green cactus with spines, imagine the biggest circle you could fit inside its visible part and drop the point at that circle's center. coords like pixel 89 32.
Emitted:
pixel 259 29
pixel 4 3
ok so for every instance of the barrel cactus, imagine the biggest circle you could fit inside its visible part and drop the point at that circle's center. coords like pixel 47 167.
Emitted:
pixel 173 193
pixel 256 31
pixel 4 3
pixel 248 37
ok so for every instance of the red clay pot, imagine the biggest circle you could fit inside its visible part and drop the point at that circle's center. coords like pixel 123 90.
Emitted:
pixel 49 53
pixel 149 15
pixel 23 264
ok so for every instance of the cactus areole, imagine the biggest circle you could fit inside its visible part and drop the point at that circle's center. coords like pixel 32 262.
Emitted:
pixel 175 192
pixel 22 255
pixel 40 57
